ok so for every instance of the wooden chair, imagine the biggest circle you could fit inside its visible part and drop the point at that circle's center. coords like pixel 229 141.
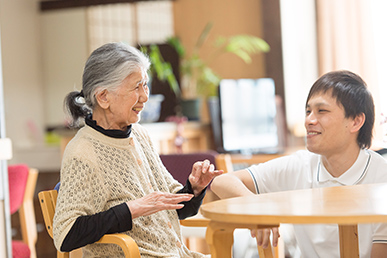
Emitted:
pixel 22 174
pixel 47 201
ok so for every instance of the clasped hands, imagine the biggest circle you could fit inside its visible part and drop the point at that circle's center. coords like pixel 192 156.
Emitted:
pixel 201 175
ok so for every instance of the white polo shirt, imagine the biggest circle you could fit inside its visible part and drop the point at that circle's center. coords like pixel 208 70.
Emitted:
pixel 304 170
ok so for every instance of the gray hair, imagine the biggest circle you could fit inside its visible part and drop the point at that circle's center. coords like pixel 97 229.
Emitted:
pixel 105 69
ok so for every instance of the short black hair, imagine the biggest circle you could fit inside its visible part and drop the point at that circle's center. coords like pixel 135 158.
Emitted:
pixel 350 91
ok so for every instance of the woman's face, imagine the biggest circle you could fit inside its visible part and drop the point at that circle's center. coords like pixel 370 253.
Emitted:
pixel 128 101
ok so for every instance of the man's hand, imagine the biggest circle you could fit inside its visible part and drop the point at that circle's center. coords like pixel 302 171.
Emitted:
pixel 202 174
pixel 263 236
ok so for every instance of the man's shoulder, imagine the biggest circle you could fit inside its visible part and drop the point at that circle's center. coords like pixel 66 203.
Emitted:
pixel 306 155
pixel 376 157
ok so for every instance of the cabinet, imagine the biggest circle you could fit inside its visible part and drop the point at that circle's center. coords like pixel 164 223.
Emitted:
pixel 196 137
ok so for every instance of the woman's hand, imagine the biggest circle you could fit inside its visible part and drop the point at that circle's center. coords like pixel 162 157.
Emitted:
pixel 157 201
pixel 202 174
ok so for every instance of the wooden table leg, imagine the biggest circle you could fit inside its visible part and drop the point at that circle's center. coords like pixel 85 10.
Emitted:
pixel 349 243
pixel 266 253
pixel 220 239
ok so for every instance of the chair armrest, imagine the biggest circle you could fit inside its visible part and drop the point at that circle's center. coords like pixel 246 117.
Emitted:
pixel 127 244
pixel 195 221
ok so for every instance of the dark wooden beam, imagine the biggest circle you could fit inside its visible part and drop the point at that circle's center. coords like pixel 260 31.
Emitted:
pixel 272 35
pixel 274 59
pixel 62 4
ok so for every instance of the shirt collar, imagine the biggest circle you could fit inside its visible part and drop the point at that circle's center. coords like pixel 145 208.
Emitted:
pixel 350 177
pixel 111 133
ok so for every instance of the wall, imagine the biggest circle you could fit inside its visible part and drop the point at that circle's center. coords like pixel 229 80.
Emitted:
pixel 64 40
pixel 22 74
pixel 229 17
pixel 22 82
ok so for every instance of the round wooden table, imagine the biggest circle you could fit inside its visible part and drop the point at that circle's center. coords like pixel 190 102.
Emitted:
pixel 346 206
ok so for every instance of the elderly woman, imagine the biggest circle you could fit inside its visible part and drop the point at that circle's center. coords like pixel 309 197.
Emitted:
pixel 112 179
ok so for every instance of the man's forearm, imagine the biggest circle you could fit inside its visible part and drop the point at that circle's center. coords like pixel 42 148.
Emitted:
pixel 230 185
pixel 379 250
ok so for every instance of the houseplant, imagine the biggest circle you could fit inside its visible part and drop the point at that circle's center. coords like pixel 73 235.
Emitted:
pixel 197 79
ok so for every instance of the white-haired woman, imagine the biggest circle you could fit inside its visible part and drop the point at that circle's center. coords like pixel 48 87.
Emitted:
pixel 112 179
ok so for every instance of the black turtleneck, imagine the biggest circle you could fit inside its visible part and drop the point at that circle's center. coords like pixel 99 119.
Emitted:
pixel 89 229
pixel 111 133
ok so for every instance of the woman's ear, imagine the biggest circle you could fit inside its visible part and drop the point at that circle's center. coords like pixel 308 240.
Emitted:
pixel 102 99
pixel 358 122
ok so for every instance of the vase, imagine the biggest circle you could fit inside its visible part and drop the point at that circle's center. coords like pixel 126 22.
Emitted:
pixel 151 112
pixel 191 108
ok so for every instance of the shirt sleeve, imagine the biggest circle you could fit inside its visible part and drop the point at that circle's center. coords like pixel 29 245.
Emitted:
pixel 282 174
pixel 191 207
pixel 89 229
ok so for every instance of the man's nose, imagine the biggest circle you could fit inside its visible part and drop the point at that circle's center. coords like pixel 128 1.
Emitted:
pixel 310 118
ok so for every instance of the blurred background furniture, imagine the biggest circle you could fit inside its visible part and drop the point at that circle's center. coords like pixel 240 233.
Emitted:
pixel 22 182
pixel 197 136
pixel 48 204
pixel 180 165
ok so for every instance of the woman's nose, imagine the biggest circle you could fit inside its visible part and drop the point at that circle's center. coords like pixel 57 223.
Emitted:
pixel 144 94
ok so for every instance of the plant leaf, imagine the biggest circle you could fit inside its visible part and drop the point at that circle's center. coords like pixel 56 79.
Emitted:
pixel 243 46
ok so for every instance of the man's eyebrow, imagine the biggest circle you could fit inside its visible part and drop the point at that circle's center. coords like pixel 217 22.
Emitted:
pixel 318 104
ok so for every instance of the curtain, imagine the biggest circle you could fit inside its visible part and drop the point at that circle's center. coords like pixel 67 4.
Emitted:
pixel 345 41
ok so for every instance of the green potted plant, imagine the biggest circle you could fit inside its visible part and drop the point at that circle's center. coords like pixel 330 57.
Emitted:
pixel 198 80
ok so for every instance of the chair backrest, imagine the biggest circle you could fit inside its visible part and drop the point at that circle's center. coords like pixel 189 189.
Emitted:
pixel 180 165
pixel 47 201
pixel 17 181
pixel 22 183
pixel 27 213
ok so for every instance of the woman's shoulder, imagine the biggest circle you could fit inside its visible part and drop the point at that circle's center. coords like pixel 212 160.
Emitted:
pixel 140 130
pixel 79 144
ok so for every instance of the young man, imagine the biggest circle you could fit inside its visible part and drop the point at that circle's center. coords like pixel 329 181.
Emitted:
pixel 339 122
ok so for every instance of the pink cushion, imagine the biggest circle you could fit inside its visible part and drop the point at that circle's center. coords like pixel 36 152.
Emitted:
pixel 20 250
pixel 17 177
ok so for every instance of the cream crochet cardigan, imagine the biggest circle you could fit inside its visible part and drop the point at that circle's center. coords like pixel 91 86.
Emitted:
pixel 99 172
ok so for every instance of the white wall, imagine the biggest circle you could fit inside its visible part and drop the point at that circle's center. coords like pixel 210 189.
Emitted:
pixel 22 73
pixel 64 40
pixel 22 87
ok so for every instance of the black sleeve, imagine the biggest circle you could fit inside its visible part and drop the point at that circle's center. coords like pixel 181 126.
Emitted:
pixel 89 229
pixel 191 207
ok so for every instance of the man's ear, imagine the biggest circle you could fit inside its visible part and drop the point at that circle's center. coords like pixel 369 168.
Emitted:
pixel 358 122
pixel 102 99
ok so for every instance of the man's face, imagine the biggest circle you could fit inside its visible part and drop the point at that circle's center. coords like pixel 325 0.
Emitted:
pixel 328 130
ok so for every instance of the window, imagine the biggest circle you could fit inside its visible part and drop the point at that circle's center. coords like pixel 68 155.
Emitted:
pixel 137 23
